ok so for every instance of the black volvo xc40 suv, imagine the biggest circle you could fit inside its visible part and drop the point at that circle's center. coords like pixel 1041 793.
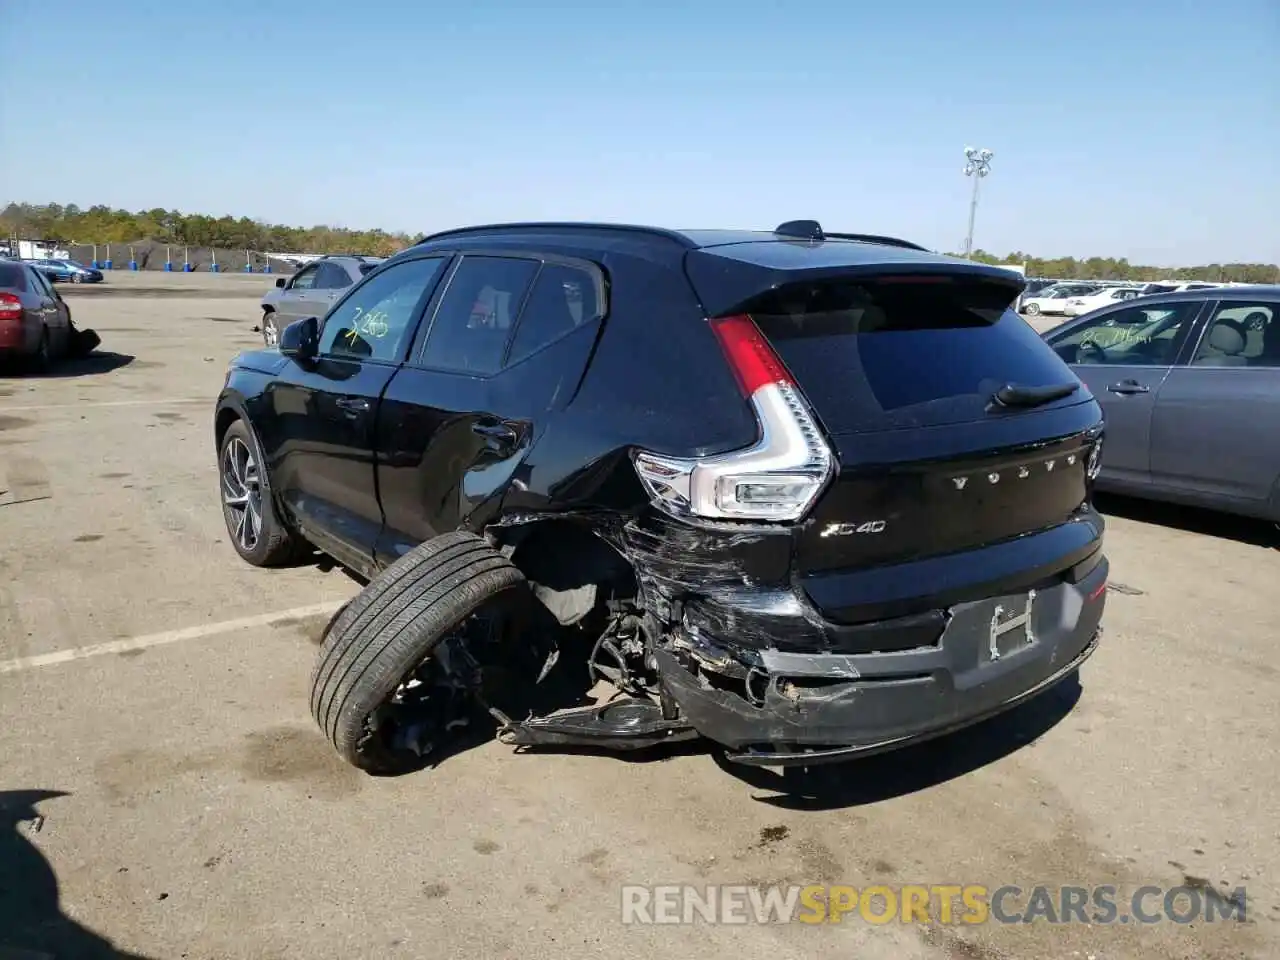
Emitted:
pixel 808 495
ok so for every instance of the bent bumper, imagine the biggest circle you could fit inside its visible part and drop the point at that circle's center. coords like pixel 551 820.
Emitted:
pixel 801 708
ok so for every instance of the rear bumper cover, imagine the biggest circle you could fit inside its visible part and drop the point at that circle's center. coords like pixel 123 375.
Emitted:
pixel 807 708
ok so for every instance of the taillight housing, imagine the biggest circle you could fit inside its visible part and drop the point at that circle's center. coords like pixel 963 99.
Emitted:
pixel 777 478
pixel 10 307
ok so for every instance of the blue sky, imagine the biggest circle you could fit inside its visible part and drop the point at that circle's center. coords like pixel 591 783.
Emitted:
pixel 1140 128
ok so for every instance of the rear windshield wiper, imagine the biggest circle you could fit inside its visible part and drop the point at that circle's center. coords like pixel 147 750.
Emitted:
pixel 1012 395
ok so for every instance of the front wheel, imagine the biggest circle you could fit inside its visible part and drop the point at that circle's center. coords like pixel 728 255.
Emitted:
pixel 270 331
pixel 76 278
pixel 256 532
pixel 397 669
pixel 1033 310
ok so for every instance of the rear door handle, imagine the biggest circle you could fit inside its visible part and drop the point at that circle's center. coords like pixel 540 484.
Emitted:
pixel 1129 387
pixel 500 433
pixel 353 404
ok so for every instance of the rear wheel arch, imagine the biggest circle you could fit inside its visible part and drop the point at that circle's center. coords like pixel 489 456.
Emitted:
pixel 564 555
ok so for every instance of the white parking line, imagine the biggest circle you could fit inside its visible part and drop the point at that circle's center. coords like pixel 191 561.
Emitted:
pixel 106 403
pixel 168 636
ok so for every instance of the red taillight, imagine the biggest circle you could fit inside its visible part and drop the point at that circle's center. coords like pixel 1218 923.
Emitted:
pixel 10 307
pixel 752 359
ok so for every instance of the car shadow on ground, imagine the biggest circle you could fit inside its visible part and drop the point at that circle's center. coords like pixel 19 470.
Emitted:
pixel 873 779
pixel 32 924
pixel 98 362
pixel 911 769
pixel 1210 523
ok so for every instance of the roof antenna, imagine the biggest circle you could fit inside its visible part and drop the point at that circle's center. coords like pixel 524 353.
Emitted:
pixel 800 230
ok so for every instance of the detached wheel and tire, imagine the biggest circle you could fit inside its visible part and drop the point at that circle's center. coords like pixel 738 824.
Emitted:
pixel 396 671
pixel 270 329
pixel 258 535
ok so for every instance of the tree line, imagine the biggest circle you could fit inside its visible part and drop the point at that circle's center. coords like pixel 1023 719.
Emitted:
pixel 100 224
pixel 71 224
pixel 1109 268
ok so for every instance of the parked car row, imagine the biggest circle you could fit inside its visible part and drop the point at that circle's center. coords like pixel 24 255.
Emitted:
pixel 66 271
pixel 1078 297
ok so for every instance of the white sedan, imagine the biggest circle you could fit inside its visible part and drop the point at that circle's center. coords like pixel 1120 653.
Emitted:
pixel 1053 300
pixel 1079 306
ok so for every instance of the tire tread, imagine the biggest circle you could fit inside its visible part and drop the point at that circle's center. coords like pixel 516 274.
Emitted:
pixel 393 625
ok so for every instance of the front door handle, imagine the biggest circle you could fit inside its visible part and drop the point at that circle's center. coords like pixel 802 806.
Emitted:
pixel 353 404
pixel 1129 387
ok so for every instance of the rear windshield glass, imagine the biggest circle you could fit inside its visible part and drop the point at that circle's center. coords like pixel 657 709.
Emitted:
pixel 12 276
pixel 889 355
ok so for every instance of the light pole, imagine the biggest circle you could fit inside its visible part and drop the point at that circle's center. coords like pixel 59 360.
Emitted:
pixel 977 165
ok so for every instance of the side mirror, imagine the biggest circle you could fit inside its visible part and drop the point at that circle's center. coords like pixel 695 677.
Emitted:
pixel 280 282
pixel 300 340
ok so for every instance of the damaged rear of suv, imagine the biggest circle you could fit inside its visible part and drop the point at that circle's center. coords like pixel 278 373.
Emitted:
pixel 807 495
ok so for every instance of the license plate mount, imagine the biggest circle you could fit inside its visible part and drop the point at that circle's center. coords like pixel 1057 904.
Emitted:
pixel 1011 628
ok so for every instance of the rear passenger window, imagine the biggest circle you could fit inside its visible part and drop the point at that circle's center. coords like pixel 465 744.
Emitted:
pixel 1241 335
pixel 563 299
pixel 330 276
pixel 476 314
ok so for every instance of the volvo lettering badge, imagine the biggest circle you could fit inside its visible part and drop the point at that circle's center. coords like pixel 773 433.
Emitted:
pixel 1023 471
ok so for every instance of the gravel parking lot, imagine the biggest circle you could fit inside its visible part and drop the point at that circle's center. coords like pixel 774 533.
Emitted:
pixel 153 694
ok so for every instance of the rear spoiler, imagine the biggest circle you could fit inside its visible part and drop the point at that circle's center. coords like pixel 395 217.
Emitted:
pixel 725 284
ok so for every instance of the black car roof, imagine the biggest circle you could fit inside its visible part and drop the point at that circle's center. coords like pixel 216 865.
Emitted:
pixel 793 244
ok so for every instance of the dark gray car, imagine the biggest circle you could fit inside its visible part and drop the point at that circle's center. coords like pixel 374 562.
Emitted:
pixel 310 292
pixel 1190 386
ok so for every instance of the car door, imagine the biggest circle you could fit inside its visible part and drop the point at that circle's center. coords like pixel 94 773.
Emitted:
pixel 1216 431
pixel 295 300
pixel 318 427
pixel 1124 355
pixel 457 422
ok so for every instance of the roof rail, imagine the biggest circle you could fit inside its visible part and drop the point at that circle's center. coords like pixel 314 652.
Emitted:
pixel 659 232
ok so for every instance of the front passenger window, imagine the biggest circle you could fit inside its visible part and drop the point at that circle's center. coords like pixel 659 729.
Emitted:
pixel 304 280
pixel 1135 336
pixel 376 320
